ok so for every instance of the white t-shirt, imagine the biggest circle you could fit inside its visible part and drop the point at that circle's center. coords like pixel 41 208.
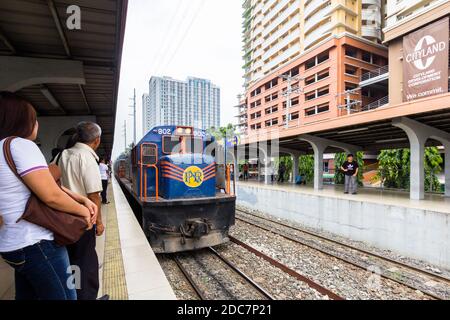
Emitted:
pixel 14 196
pixel 103 171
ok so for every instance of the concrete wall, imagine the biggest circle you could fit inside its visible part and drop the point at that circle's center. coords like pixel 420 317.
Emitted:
pixel 51 128
pixel 419 234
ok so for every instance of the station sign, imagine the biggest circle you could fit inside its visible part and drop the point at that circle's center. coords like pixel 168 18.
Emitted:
pixel 425 61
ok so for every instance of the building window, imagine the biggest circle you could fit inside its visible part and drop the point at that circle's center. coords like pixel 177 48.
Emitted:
pixel 271 110
pixel 255 104
pixel 351 51
pixel 351 70
pixel 320 58
pixel 271 84
pixel 350 86
pixel 294 102
pixel 317 93
pixel 271 97
pixel 272 122
pixel 255 92
pixel 367 57
pixel 255 115
pixel 317 109
pixel 292 116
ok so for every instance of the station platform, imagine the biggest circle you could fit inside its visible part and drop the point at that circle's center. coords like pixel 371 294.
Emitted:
pixel 386 219
pixel 129 270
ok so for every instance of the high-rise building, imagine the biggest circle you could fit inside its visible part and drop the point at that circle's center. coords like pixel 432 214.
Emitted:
pixel 278 31
pixel 146 116
pixel 194 102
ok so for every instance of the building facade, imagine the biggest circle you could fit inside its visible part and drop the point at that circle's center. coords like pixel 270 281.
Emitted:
pixel 355 95
pixel 194 102
pixel 275 32
pixel 325 81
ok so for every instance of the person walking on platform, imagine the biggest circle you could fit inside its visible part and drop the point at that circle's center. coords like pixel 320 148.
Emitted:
pixel 81 174
pixel 41 267
pixel 351 169
pixel 281 172
pixel 104 174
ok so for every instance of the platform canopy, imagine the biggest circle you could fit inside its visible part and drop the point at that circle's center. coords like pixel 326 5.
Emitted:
pixel 65 72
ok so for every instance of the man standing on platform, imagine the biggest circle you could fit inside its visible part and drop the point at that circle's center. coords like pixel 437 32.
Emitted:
pixel 81 174
pixel 350 168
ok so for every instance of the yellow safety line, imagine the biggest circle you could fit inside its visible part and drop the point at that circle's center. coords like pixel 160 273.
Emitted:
pixel 114 283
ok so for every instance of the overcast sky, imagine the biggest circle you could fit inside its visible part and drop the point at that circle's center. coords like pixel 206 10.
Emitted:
pixel 179 38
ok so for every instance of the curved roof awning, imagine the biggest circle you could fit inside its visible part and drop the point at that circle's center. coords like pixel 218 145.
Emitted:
pixel 64 72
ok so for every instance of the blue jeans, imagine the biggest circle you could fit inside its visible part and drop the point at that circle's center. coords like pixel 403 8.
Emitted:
pixel 41 272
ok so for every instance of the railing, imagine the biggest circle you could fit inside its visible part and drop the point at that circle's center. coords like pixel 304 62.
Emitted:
pixel 376 104
pixel 375 73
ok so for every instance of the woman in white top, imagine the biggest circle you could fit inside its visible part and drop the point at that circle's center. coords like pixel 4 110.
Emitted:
pixel 41 266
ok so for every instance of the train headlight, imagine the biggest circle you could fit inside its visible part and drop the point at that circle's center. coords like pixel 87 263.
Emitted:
pixel 188 131
pixel 180 130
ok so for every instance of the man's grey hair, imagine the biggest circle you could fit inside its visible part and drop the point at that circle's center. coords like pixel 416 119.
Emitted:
pixel 87 132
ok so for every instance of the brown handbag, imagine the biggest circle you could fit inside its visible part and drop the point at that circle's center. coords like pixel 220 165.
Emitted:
pixel 67 228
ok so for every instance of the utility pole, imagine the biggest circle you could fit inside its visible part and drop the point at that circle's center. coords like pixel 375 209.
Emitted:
pixel 125 133
pixel 289 93
pixel 134 116
pixel 348 100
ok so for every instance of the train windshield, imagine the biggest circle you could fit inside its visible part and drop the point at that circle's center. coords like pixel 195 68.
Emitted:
pixel 182 144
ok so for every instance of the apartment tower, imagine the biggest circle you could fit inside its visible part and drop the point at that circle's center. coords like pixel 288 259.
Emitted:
pixel 193 102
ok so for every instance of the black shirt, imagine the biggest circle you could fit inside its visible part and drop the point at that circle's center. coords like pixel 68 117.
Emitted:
pixel 351 167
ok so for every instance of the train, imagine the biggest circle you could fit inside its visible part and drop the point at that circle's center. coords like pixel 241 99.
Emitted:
pixel 184 197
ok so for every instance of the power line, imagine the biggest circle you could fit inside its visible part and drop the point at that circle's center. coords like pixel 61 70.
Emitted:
pixel 172 29
pixel 186 32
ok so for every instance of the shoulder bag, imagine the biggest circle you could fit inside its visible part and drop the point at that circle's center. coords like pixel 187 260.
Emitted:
pixel 67 228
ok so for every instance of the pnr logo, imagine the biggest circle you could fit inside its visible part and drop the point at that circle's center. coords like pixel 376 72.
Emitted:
pixel 193 177
pixel 425 52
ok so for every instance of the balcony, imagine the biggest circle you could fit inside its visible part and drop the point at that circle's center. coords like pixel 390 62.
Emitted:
pixel 280 45
pixel 267 5
pixel 374 76
pixel 275 36
pixel 377 104
pixel 372 15
pixel 274 11
pixel 312 6
pixel 283 16
pixel 318 17
pixel 371 32
pixel 317 34
pixel 294 50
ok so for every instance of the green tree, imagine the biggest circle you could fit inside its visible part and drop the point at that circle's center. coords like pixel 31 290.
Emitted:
pixel 306 167
pixel 433 161
pixel 339 159
pixel 394 168
pixel 222 133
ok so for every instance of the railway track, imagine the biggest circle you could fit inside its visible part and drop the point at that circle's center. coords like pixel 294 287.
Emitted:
pixel 264 293
pixel 288 270
pixel 196 285
pixel 316 242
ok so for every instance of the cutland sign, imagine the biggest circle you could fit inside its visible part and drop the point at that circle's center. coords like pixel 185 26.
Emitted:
pixel 425 59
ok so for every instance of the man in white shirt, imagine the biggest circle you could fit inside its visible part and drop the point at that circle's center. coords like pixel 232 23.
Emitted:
pixel 104 171
pixel 80 174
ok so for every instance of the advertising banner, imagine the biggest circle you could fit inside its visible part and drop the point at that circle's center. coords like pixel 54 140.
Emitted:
pixel 425 61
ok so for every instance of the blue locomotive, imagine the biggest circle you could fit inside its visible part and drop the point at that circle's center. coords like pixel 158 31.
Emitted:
pixel 184 196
